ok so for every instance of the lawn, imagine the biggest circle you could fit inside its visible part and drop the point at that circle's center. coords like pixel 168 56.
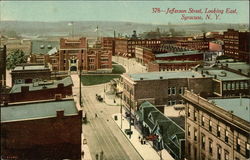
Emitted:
pixel 118 69
pixel 88 80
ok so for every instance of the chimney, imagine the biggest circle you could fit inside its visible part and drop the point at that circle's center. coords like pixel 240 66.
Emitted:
pixel 23 66
pixel 161 77
pixel 215 76
pixel 141 78
pixel 60 85
pixel 24 89
pixel 60 114
pixel 239 70
pixel 192 76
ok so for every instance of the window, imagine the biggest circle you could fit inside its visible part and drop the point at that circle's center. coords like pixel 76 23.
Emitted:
pixel 195 135
pixel 226 136
pixel 218 130
pixel 195 115
pixel 173 90
pixel 64 61
pixel 211 147
pixel 238 145
pixel 210 125
pixel 169 91
pixel 226 155
pixel 189 111
pixel 169 103
pixel 218 152
pixel 188 129
pixel 174 102
pixel 203 141
pixel 181 90
pixel 203 121
pixel 247 150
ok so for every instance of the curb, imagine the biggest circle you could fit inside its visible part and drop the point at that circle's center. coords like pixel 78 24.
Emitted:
pixel 128 139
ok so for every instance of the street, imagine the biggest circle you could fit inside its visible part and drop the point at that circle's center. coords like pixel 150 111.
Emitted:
pixel 101 131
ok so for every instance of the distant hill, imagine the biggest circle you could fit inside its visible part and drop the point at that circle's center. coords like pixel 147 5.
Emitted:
pixel 87 28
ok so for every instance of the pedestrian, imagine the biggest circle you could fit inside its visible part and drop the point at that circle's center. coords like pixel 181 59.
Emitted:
pixel 96 115
pixel 141 141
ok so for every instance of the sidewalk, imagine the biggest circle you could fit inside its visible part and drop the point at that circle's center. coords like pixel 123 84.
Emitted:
pixel 145 150
pixel 85 148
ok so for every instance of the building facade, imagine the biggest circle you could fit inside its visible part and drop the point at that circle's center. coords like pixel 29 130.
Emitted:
pixel 164 88
pixel 41 130
pixel 217 133
pixel 41 90
pixel 126 47
pixel 237 45
pixel 29 73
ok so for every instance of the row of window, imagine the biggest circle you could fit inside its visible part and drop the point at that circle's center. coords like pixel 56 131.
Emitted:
pixel 235 85
pixel 219 149
pixel 173 102
pixel 172 90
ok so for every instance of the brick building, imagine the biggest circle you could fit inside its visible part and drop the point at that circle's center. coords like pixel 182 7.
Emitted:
pixel 74 54
pixel 227 83
pixel 29 73
pixel 144 55
pixel 41 90
pixel 163 88
pixel 217 128
pixel 3 53
pixel 126 47
pixel 41 130
pixel 194 44
pixel 237 45
pixel 161 65
pixel 193 55
pixel 108 43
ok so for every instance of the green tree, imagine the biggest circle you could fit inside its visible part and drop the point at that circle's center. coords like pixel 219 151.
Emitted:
pixel 16 57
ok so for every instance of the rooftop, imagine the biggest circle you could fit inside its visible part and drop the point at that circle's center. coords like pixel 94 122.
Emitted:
pixel 165 61
pixel 173 54
pixel 164 75
pixel 239 106
pixel 38 110
pixel 42 85
pixel 224 75
pixel 176 113
pixel 244 67
pixel 43 47
pixel 31 67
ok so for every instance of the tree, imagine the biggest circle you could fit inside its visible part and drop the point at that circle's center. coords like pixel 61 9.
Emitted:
pixel 16 57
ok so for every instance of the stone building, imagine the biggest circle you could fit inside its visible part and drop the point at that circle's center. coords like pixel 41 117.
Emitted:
pixel 217 129
pixel 41 130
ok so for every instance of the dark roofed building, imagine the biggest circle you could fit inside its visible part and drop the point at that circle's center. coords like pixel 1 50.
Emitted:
pixel 165 132
pixel 41 130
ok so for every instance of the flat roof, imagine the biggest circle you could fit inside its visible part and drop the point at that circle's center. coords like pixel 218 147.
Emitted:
pixel 43 46
pixel 42 85
pixel 164 75
pixel 30 67
pixel 245 68
pixel 239 106
pixel 165 61
pixel 224 75
pixel 37 110
pixel 173 54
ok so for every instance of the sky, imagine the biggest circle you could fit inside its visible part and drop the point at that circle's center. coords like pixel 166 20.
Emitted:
pixel 129 11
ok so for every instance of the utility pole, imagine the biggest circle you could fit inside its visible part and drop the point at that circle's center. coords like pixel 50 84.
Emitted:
pixel 130 112
pixel 80 83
